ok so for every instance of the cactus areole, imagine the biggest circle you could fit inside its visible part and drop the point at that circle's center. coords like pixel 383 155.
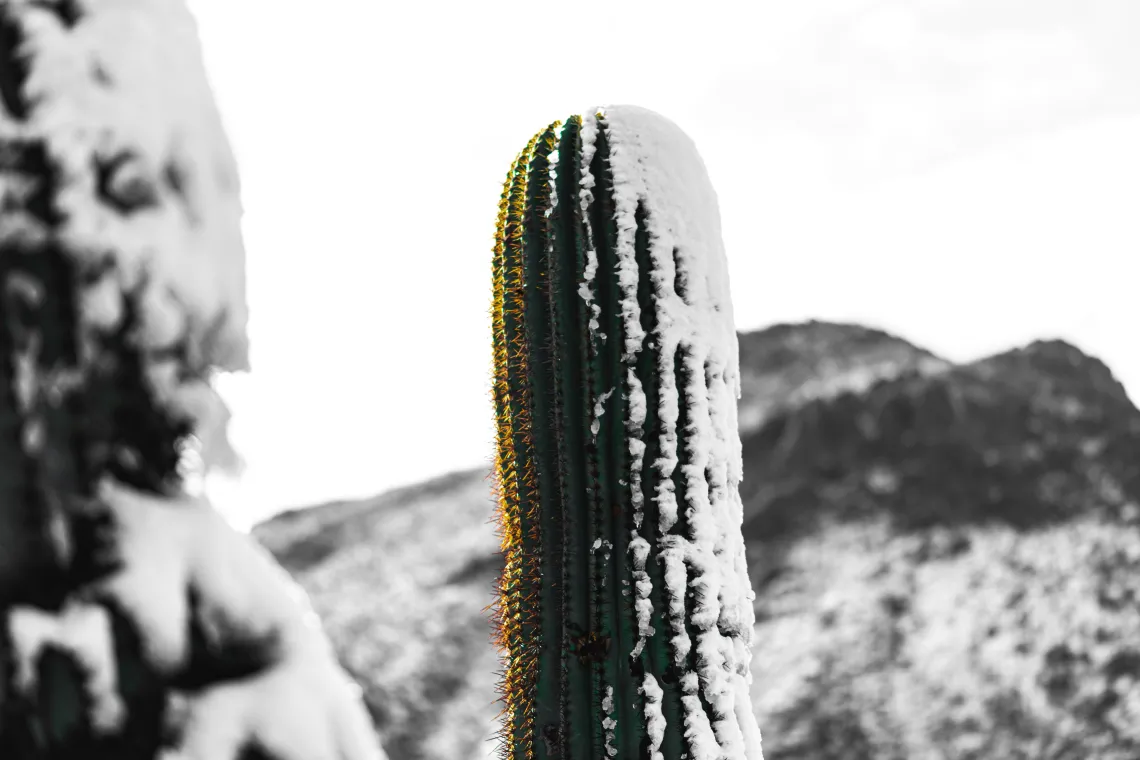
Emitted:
pixel 624 611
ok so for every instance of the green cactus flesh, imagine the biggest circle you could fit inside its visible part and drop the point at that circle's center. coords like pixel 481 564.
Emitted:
pixel 623 612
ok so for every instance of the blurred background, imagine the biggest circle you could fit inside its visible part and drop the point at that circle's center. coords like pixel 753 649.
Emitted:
pixel 937 468
pixel 962 173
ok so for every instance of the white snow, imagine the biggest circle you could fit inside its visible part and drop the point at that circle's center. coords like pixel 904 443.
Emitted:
pixel 302 707
pixel 671 551
pixel 642 605
pixel 552 160
pixel 588 134
pixel 82 631
pixel 599 410
pixel 300 710
pixel 746 718
pixel 126 85
pixel 654 718
pixel 608 723
pixel 698 731
pixel 629 187
pixel 656 164
pixel 634 433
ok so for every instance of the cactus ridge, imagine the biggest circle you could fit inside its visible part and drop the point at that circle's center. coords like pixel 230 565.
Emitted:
pixel 612 457
pixel 655 655
pixel 571 397
pixel 514 463
pixel 544 541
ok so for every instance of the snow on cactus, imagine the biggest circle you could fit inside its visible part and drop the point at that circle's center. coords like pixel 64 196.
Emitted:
pixel 624 611
pixel 231 659
pixel 133 620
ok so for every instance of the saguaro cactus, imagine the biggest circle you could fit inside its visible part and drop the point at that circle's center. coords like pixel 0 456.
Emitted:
pixel 624 609
pixel 133 620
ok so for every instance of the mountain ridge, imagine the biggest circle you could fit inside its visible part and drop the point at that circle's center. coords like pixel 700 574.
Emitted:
pixel 879 480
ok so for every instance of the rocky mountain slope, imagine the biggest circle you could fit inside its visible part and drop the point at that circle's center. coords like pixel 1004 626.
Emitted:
pixel 946 560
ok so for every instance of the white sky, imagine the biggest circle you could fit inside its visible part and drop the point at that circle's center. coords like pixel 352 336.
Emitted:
pixel 965 174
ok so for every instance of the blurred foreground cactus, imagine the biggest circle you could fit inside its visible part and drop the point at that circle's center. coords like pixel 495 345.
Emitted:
pixel 134 622
pixel 624 611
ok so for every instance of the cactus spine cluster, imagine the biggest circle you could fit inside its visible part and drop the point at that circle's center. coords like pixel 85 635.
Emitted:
pixel 623 612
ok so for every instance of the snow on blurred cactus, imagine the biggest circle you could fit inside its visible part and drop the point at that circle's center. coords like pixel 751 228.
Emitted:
pixel 624 611
pixel 121 290
pixel 121 259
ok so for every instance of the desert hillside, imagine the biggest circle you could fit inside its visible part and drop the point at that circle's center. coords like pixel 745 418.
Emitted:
pixel 946 559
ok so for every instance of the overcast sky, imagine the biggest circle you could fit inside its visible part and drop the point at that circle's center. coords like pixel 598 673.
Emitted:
pixel 964 173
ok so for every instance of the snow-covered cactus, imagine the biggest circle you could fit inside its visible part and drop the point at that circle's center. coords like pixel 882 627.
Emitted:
pixel 624 611
pixel 121 262
pixel 133 620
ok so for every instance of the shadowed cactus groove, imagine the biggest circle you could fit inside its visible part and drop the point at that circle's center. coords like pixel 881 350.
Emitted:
pixel 624 611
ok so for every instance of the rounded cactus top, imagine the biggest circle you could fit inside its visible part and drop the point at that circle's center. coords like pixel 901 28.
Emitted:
pixel 654 163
